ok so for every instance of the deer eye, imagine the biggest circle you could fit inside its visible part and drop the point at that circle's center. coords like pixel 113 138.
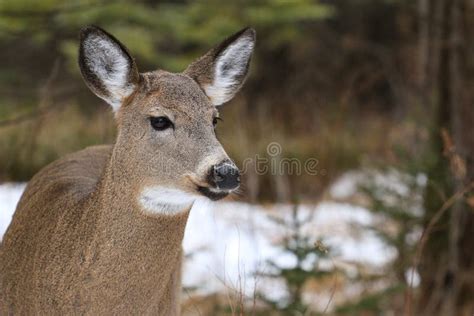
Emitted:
pixel 161 123
pixel 215 120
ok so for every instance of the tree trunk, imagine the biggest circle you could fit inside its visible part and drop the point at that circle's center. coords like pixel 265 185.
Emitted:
pixel 447 268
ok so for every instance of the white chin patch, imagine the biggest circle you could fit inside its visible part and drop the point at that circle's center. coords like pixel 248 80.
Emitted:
pixel 163 200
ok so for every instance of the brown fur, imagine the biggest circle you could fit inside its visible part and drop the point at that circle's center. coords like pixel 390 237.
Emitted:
pixel 80 242
pixel 77 256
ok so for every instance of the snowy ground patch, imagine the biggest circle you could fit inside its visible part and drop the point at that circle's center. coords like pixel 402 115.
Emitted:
pixel 10 193
pixel 229 242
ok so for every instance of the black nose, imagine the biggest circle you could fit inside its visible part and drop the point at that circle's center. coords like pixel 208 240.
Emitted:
pixel 225 176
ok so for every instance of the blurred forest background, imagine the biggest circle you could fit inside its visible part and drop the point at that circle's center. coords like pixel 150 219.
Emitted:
pixel 379 85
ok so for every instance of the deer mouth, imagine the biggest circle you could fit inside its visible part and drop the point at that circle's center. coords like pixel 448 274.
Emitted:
pixel 208 189
pixel 212 194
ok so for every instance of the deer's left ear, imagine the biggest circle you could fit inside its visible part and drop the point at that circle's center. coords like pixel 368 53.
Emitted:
pixel 222 71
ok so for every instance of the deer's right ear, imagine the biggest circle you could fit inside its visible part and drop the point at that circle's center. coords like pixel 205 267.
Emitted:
pixel 106 66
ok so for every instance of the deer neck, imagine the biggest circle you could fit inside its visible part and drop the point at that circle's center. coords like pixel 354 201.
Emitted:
pixel 132 247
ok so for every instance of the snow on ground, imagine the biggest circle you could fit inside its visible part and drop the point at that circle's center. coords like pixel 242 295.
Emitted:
pixel 348 184
pixel 227 242
pixel 10 193
pixel 234 240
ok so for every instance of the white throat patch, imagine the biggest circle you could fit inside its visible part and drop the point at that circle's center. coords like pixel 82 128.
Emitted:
pixel 163 200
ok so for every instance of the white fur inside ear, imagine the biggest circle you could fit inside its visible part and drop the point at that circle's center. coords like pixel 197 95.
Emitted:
pixel 167 201
pixel 107 60
pixel 229 72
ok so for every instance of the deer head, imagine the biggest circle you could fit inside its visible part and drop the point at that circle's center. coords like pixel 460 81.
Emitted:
pixel 166 140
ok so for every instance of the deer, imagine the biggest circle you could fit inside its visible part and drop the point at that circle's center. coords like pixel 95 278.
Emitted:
pixel 99 231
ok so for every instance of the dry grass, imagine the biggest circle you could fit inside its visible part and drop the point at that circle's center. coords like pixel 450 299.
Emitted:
pixel 29 145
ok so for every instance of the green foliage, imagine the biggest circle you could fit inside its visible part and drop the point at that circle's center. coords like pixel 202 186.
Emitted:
pixel 155 31
pixel 395 197
pixel 307 254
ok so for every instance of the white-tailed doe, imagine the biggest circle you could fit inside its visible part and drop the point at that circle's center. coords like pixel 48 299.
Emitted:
pixel 100 231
